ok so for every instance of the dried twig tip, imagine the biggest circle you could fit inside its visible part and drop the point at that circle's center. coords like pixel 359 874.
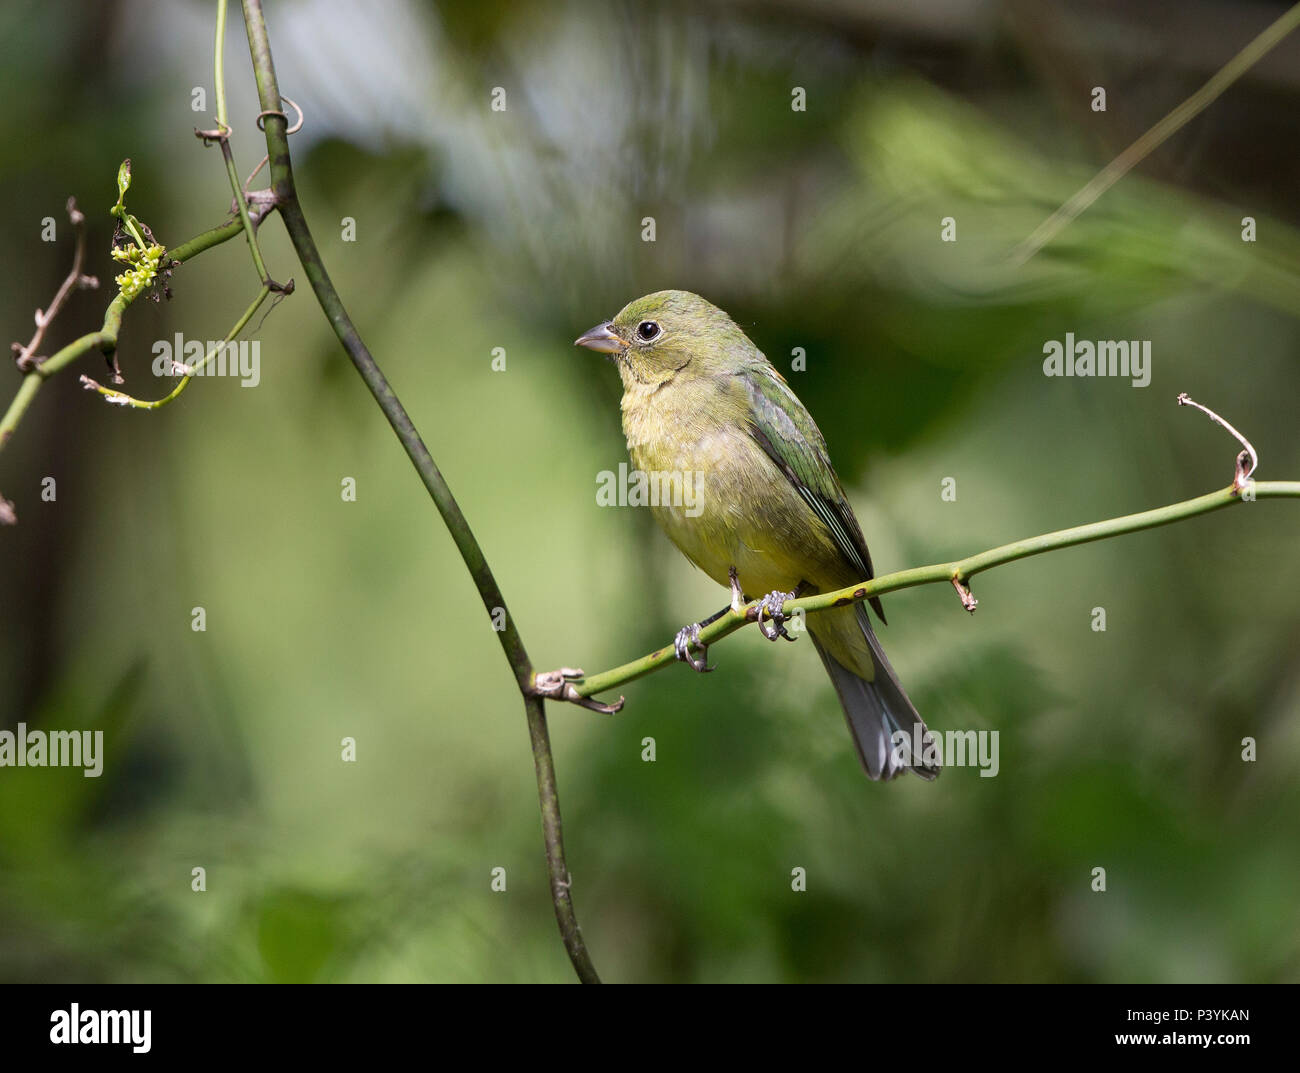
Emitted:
pixel 968 600
pixel 1241 474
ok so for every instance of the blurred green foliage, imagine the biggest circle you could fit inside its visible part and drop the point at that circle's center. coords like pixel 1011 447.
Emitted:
pixel 325 619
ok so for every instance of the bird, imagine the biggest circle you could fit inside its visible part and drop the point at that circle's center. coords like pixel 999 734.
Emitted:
pixel 767 514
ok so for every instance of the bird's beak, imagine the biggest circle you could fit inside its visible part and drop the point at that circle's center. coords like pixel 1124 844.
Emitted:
pixel 603 339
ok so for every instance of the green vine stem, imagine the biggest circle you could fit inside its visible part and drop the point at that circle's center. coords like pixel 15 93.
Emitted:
pixel 956 573
pixel 286 200
pixel 121 398
pixel 104 340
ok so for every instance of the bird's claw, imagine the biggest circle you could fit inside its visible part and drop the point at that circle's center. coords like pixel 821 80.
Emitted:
pixel 775 626
pixel 688 637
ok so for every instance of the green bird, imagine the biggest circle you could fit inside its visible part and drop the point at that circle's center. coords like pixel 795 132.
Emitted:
pixel 768 514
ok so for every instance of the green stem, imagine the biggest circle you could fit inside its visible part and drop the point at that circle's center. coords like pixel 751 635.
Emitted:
pixel 104 340
pixel 1226 75
pixel 553 835
pixel 244 219
pixel 227 154
pixel 219 72
pixel 960 570
pixel 282 186
pixel 26 393
pixel 217 235
pixel 132 226
pixel 137 404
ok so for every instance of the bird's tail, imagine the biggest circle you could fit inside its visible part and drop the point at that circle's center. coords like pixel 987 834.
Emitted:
pixel 874 703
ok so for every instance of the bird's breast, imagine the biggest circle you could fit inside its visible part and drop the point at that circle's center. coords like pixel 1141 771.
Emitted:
pixel 720 498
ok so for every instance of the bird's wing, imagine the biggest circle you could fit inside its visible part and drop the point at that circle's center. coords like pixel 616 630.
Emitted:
pixel 787 433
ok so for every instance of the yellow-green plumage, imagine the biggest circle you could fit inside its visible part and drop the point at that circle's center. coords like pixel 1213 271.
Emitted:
pixel 700 399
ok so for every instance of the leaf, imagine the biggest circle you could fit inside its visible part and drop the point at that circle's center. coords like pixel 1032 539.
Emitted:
pixel 123 183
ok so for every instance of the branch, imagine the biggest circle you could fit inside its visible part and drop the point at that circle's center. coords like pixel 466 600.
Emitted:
pixel 1193 106
pixel 38 370
pixel 217 235
pixel 249 211
pixel 221 135
pixel 25 356
pixel 189 371
pixel 957 573
pixel 104 340
pixel 295 222
pixel 247 223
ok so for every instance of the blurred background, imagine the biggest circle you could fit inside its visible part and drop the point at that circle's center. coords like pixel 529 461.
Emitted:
pixel 818 229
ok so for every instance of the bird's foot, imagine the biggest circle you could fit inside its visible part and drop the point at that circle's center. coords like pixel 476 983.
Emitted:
pixel 775 626
pixel 688 637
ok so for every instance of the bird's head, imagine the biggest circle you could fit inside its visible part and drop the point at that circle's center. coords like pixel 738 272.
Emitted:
pixel 669 334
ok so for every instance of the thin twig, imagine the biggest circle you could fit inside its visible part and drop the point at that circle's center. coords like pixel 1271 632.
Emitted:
pixel 219 66
pixel 954 573
pixel 1242 474
pixel 25 357
pixel 221 135
pixel 121 398
pixel 104 340
pixel 1242 62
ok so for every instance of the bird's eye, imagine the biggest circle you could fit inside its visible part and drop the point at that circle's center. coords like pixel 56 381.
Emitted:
pixel 647 330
